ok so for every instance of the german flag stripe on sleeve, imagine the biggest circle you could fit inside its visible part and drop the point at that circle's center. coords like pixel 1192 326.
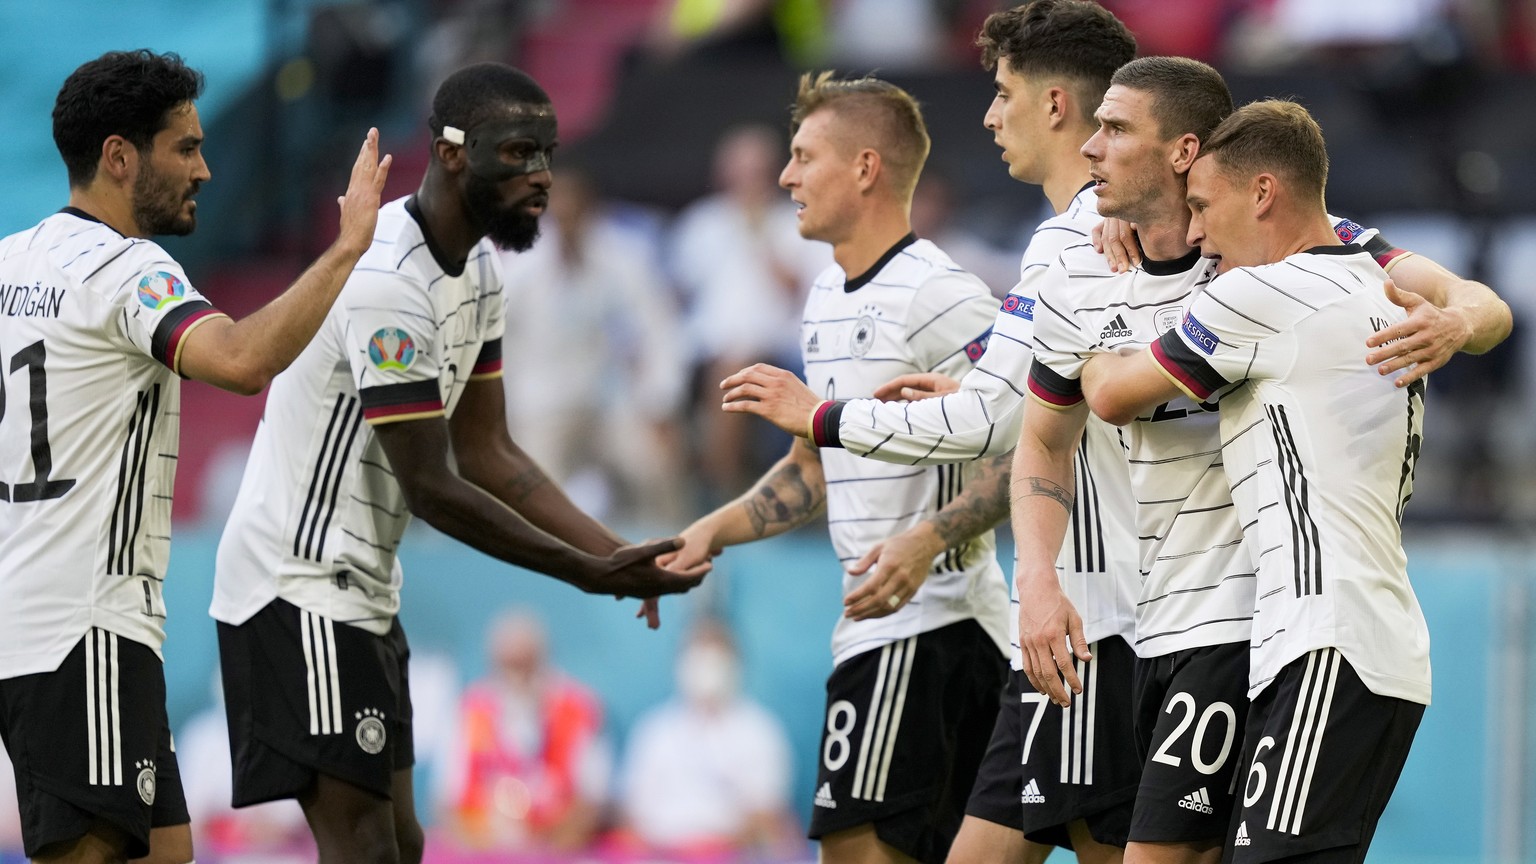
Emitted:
pixel 488 363
pixel 1384 252
pixel 1186 368
pixel 412 400
pixel 165 345
pixel 1053 389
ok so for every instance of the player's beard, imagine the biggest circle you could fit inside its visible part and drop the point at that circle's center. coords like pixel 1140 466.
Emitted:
pixel 508 227
pixel 157 204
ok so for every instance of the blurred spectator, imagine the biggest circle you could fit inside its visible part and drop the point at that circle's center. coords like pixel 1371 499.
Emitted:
pixel 273 832
pixel 528 768
pixel 596 362
pixel 737 29
pixel 707 774
pixel 933 218
pixel 866 35
pixel 743 268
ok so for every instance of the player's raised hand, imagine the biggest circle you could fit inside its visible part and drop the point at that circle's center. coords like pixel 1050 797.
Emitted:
pixel 1421 343
pixel 1115 239
pixel 900 566
pixel 916 385
pixel 360 205
pixel 633 571
pixel 1050 633
pixel 774 394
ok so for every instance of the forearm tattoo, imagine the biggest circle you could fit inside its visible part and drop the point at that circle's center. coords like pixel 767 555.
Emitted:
pixel 980 507
pixel 784 499
pixel 1043 488
pixel 525 483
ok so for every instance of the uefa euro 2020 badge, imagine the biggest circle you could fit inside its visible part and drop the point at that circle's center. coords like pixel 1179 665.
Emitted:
pixel 391 348
pixel 160 289
pixel 370 730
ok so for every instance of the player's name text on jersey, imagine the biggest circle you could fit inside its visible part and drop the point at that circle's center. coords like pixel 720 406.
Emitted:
pixel 31 301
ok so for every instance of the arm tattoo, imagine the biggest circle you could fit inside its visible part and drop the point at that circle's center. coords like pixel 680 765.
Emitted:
pixel 524 484
pixel 980 507
pixel 783 498
pixel 1043 488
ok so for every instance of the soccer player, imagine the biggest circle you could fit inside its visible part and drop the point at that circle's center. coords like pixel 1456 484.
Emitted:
pixel 1320 452
pixel 105 324
pixel 396 409
pixel 1051 62
pixel 913 694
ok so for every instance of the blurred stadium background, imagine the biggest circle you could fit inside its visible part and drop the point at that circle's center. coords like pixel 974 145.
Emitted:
pixel 1430 111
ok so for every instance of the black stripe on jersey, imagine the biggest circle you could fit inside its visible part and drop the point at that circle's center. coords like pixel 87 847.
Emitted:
pixel 170 325
pixel 128 502
pixel 1040 301
pixel 1203 588
pixel 365 541
pixel 1227 306
pixel 945 311
pixel 1149 638
pixel 1321 276
pixel 325 479
pixel 124 251
pixel 917 473
pixel 1191 363
pixel 1414 440
pixel 1045 378
pixel 490 352
pixel 1003 378
pixel 1306 551
pixel 390 395
pixel 1087 522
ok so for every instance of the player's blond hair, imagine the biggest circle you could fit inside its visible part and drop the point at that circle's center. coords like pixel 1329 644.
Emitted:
pixel 874 113
pixel 1274 136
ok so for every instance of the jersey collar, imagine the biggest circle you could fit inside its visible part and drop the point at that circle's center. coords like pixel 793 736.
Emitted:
pixel 864 278
pixel 81 214
pixel 1171 268
pixel 1346 249
pixel 449 266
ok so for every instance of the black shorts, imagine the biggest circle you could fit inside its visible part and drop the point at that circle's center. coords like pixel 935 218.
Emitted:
pixel 1322 754
pixel 90 743
pixel 906 727
pixel 1081 762
pixel 1190 710
pixel 306 696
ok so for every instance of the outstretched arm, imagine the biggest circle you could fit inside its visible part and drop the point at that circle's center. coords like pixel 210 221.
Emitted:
pixel 790 494
pixel 1446 314
pixel 1121 387
pixel 902 563
pixel 244 356
pixel 418 454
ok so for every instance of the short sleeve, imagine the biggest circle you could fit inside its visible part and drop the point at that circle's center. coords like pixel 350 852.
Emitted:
pixel 1219 342
pixel 1062 342
pixel 393 347
pixel 949 323
pixel 494 308
pixel 162 309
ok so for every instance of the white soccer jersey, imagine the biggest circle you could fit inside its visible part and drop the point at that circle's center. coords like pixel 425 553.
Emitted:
pixel 319 515
pixel 913 311
pixel 1097 563
pixel 1321 458
pixel 1197 581
pixel 91 327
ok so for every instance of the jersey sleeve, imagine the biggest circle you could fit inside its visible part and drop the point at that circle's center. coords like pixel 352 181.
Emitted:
pixel 1222 339
pixel 949 323
pixel 393 345
pixel 981 419
pixel 1063 343
pixel 162 309
pixel 1379 247
pixel 493 306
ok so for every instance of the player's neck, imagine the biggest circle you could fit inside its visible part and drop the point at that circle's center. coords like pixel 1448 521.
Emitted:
pixel 1290 234
pixel 1065 178
pixel 446 221
pixel 870 240
pixel 111 209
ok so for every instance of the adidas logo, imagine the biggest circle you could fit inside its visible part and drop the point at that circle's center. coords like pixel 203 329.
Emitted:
pixel 1242 835
pixel 1115 329
pixel 824 797
pixel 1032 793
pixel 813 346
pixel 1198 801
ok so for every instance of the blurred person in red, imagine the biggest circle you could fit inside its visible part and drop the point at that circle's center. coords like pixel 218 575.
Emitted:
pixel 528 766
pixel 706 774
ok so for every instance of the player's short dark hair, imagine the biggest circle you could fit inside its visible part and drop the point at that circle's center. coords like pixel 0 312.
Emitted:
pixel 1273 136
pixel 1188 97
pixel 875 107
pixel 127 93
pixel 479 92
pixel 1074 39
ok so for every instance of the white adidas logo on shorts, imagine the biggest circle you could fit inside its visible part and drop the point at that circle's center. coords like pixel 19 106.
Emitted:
pixel 1032 793
pixel 1242 835
pixel 1198 801
pixel 824 797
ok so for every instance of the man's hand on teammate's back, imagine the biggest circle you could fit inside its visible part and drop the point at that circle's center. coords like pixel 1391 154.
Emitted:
pixel 1115 239
pixel 916 385
pixel 774 394
pixel 1422 343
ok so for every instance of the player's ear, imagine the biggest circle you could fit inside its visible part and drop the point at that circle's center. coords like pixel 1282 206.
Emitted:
pixel 1185 149
pixel 1262 189
pixel 1060 100
pixel 868 166
pixel 451 155
pixel 119 159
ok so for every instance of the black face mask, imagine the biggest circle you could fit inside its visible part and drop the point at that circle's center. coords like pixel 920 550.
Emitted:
pixel 482 144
